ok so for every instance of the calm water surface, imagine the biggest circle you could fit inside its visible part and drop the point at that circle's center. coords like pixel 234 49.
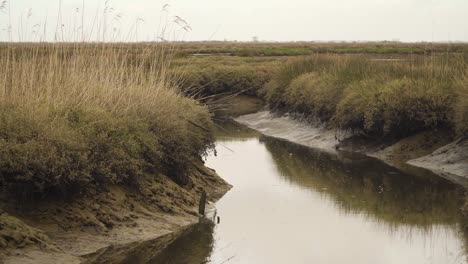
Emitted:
pixel 291 204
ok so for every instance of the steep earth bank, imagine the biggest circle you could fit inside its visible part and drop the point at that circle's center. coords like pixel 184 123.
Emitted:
pixel 105 225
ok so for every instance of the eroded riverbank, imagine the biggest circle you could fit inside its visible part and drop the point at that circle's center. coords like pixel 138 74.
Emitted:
pixel 107 226
pixel 432 151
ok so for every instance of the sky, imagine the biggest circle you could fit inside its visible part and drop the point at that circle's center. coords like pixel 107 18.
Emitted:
pixel 241 20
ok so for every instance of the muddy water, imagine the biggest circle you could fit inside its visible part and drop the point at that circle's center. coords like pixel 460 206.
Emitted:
pixel 292 204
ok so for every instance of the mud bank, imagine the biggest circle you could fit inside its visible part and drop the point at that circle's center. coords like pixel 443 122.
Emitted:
pixel 449 159
pixel 106 225
pixel 286 127
pixel 430 150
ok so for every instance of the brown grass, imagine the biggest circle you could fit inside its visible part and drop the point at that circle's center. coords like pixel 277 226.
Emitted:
pixel 74 114
pixel 384 98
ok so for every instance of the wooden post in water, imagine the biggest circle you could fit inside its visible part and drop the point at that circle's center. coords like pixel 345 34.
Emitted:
pixel 201 205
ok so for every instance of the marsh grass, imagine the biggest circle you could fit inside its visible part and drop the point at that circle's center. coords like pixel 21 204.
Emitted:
pixel 78 114
pixel 392 96
pixel 461 107
pixel 380 98
pixel 224 74
pixel 252 49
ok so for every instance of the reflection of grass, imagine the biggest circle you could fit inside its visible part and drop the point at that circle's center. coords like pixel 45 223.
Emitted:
pixel 365 186
pixel 193 246
pixel 228 130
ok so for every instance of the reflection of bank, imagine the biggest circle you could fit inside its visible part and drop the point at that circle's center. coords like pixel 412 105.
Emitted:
pixel 193 246
pixel 418 200
pixel 358 184
pixel 287 198
pixel 228 130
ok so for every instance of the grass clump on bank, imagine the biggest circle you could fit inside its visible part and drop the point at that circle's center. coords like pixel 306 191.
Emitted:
pixel 73 115
pixel 393 98
pixel 209 75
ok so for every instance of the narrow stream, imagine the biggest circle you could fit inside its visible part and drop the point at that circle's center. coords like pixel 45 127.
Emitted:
pixel 292 204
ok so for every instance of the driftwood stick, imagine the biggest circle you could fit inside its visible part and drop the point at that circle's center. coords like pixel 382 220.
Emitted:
pixel 201 205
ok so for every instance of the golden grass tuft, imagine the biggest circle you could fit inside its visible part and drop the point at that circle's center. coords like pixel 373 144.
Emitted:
pixel 76 114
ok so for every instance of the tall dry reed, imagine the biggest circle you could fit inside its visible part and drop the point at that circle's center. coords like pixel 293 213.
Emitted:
pixel 77 114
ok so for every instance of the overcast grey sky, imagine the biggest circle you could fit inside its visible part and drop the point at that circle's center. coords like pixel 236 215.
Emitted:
pixel 275 20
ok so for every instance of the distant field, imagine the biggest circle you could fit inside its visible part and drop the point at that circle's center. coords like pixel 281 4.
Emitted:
pixel 251 49
pixel 382 89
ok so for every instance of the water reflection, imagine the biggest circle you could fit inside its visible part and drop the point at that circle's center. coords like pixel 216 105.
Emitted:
pixel 228 131
pixel 360 184
pixel 292 204
pixel 194 246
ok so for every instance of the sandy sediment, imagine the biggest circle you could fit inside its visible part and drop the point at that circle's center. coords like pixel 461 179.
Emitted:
pixel 105 225
pixel 449 159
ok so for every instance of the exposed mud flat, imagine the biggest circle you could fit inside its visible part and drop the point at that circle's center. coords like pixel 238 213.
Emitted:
pixel 452 159
pixel 286 127
pixel 429 150
pixel 105 225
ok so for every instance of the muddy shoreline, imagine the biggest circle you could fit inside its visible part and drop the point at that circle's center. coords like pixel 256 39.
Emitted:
pixel 433 150
pixel 107 226
pixel 119 225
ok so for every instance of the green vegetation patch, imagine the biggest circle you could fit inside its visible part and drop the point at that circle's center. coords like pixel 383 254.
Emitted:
pixel 224 74
pixel 67 121
pixel 381 98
